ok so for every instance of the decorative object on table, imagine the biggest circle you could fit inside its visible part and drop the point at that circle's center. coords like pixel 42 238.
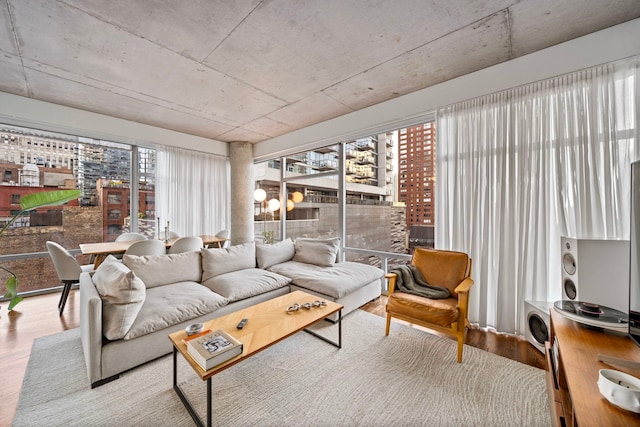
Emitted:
pixel 621 389
pixel 213 349
pixel 188 338
pixel 194 328
pixel 29 203
pixel 306 306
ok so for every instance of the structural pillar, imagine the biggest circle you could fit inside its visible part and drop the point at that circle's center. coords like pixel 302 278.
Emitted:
pixel 242 183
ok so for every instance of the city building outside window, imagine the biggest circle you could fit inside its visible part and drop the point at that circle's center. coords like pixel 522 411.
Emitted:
pixel 102 170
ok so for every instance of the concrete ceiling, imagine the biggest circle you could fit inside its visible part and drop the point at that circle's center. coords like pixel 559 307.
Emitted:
pixel 252 70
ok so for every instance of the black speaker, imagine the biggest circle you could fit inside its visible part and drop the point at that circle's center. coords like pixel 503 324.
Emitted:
pixel 537 322
pixel 596 271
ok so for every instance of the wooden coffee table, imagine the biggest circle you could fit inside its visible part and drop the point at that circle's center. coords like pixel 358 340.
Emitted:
pixel 269 323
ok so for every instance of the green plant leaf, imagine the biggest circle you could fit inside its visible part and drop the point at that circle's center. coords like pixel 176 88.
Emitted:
pixel 14 301
pixel 12 287
pixel 48 198
pixel 12 292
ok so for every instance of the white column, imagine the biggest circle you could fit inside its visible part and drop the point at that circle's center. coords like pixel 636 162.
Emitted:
pixel 242 183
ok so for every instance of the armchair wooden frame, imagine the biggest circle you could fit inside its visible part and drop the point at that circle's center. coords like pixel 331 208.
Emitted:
pixel 460 293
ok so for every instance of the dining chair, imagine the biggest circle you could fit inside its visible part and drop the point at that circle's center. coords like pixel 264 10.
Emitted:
pixel 225 235
pixel 147 247
pixel 186 244
pixel 128 237
pixel 68 269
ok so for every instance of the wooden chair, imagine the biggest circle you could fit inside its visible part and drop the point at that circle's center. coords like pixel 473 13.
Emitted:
pixel 449 269
pixel 68 269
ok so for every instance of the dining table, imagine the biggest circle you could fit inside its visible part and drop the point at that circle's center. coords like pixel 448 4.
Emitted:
pixel 101 250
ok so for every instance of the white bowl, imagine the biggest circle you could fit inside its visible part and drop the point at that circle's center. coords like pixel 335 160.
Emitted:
pixel 194 328
pixel 621 389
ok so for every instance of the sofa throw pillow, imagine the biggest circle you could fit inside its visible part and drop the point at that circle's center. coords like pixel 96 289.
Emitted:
pixel 218 261
pixel 277 253
pixel 122 293
pixel 159 270
pixel 322 252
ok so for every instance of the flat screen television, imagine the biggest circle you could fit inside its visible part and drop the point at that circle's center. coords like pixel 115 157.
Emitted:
pixel 634 261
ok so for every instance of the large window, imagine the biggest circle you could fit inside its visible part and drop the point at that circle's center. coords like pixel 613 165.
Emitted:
pixel 116 197
pixel 346 190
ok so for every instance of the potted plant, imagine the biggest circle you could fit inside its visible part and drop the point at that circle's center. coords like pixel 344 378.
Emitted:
pixel 29 203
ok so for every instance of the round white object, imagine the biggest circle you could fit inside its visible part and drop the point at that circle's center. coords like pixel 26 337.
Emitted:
pixel 621 389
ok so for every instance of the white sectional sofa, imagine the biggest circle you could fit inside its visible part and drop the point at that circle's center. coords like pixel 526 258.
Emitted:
pixel 128 307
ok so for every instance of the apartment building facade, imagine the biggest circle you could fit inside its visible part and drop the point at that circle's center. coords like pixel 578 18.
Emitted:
pixel 416 180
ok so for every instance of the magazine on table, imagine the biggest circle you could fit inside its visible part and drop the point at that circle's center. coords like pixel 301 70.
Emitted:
pixel 213 349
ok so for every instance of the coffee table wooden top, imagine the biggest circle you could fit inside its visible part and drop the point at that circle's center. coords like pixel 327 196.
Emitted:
pixel 268 324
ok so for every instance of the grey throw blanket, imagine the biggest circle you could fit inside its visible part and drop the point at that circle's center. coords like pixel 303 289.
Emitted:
pixel 411 281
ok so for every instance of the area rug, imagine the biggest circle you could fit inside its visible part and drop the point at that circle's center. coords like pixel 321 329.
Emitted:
pixel 409 378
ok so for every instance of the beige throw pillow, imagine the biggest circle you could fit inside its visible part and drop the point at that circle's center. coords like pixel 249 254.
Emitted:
pixel 122 293
pixel 277 253
pixel 322 252
pixel 218 261
pixel 159 270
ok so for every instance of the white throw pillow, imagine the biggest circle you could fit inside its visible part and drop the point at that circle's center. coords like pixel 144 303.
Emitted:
pixel 322 252
pixel 218 261
pixel 277 253
pixel 122 293
pixel 159 270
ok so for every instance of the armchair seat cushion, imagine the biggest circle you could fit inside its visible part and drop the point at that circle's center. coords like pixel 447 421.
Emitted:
pixel 442 312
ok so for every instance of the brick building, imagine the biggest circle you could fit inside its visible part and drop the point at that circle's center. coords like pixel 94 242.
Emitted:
pixel 416 180
pixel 113 198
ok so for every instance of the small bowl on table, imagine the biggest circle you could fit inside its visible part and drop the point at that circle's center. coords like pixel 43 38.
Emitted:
pixel 194 328
pixel 621 389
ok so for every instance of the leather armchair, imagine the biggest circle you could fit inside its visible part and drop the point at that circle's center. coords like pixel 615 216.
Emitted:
pixel 449 269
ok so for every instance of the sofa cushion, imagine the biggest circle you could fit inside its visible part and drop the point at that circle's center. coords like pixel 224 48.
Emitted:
pixel 159 270
pixel 218 261
pixel 337 281
pixel 122 294
pixel 246 283
pixel 322 252
pixel 268 255
pixel 172 304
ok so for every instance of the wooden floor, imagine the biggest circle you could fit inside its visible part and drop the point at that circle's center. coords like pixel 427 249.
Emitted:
pixel 38 316
pixel 511 346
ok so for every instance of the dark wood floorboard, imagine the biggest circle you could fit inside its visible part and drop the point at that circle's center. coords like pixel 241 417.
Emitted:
pixel 37 316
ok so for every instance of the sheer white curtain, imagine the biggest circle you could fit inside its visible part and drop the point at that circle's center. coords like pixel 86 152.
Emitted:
pixel 520 168
pixel 192 191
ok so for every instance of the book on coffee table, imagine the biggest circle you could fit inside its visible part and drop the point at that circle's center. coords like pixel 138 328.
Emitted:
pixel 213 349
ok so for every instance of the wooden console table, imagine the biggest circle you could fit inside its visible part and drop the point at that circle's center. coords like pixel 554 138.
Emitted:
pixel 574 398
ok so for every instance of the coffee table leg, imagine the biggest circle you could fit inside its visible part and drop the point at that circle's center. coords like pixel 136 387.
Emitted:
pixel 333 343
pixel 209 409
pixel 184 399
